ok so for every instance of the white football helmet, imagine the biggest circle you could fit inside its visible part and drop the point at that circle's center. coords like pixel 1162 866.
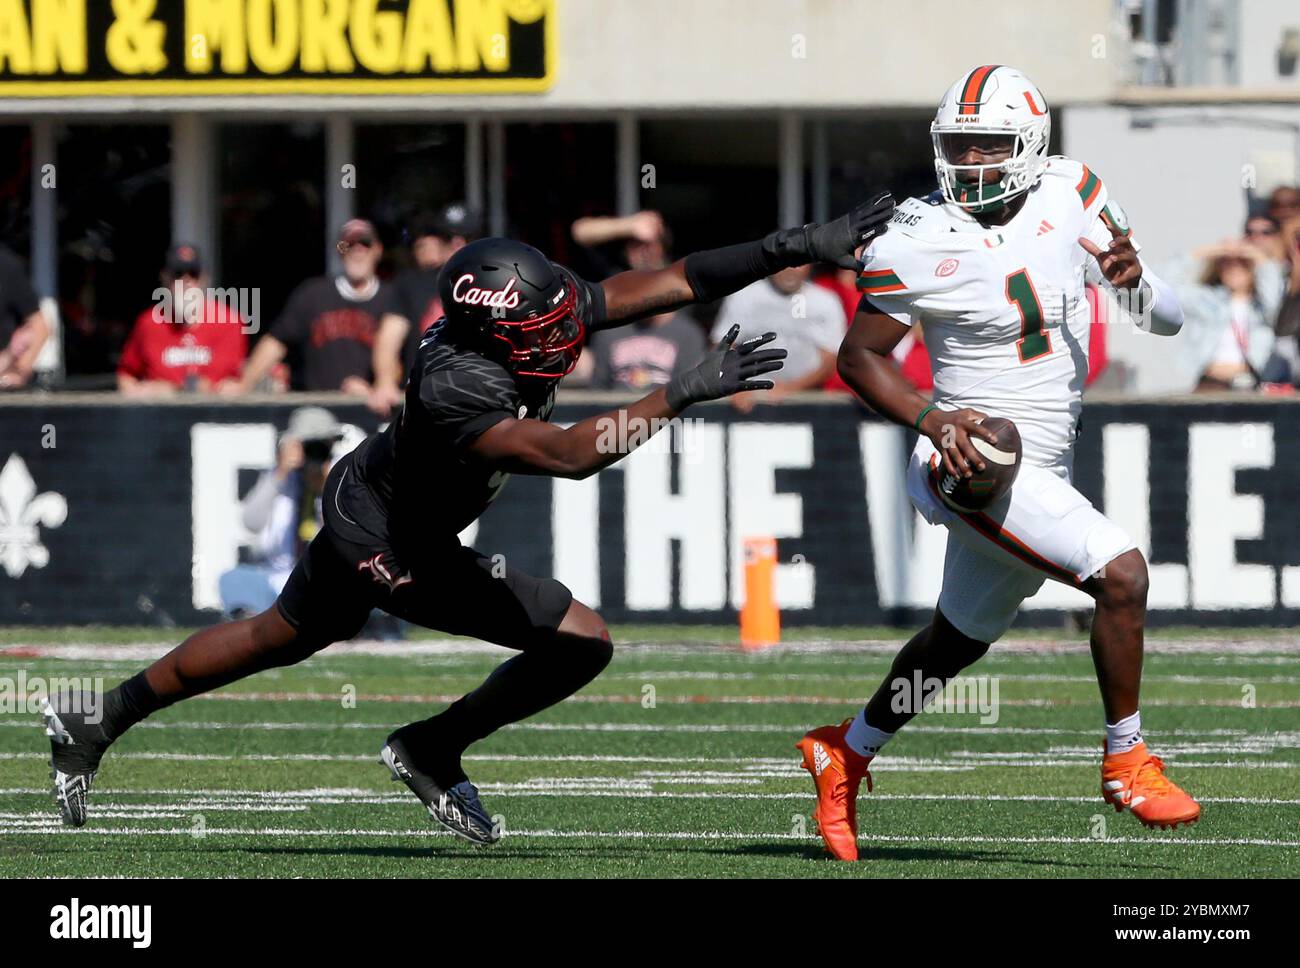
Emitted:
pixel 991 100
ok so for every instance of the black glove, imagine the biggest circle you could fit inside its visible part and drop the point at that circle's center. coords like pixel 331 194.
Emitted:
pixel 725 370
pixel 838 240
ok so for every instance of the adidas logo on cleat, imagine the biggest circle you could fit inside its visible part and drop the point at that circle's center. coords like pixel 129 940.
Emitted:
pixel 1121 796
pixel 821 759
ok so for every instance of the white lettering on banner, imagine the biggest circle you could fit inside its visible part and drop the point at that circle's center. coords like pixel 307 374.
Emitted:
pixel 217 453
pixel 695 516
pixel 725 490
pixel 1126 461
pixel 907 551
pixel 575 530
pixel 754 453
pixel 1291 586
pixel 575 534
pixel 1218 517
pixel 1126 480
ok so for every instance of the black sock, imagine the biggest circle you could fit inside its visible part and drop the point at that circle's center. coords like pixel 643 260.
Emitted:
pixel 518 688
pixel 434 746
pixel 127 704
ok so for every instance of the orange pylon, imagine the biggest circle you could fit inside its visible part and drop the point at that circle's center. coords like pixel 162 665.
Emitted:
pixel 760 619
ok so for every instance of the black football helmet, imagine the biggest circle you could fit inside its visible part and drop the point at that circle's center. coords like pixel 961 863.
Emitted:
pixel 514 305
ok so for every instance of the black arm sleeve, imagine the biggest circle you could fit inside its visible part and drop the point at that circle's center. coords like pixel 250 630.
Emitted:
pixel 715 273
pixel 591 303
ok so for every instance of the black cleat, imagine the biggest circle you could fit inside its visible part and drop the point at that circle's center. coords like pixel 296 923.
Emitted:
pixel 456 806
pixel 76 747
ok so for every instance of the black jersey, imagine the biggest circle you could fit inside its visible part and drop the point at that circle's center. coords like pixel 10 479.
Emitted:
pixel 416 483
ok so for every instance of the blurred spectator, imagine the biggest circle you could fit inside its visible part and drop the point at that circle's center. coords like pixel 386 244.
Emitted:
pixel 910 354
pixel 1288 316
pixel 643 355
pixel 23 327
pixel 1227 339
pixel 416 306
pixel 329 323
pixel 615 243
pixel 1263 235
pixel 841 283
pixel 1283 203
pixel 187 340
pixel 1098 358
pixel 913 360
pixel 808 322
pixel 282 511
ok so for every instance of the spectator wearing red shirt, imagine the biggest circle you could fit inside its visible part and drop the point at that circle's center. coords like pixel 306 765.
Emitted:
pixel 910 354
pixel 186 341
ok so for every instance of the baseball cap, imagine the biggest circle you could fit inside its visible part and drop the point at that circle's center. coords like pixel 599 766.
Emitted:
pixel 456 219
pixel 358 230
pixel 312 423
pixel 183 258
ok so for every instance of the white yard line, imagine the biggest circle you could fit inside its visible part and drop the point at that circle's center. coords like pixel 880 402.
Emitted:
pixel 793 729
pixel 958 760
pixel 201 801
pixel 637 699
pixel 141 651
pixel 282 832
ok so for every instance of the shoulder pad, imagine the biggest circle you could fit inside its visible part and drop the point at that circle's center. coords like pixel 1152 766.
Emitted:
pixel 920 218
pixel 1067 173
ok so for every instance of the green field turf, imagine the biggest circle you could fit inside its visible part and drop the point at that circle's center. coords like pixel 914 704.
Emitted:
pixel 678 761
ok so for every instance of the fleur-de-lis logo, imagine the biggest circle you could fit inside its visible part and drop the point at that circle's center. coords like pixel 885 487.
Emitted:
pixel 22 514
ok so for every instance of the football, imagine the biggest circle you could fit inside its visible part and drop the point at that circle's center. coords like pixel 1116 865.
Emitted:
pixel 1001 465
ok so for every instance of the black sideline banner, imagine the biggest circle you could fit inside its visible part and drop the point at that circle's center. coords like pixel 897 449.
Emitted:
pixel 129 514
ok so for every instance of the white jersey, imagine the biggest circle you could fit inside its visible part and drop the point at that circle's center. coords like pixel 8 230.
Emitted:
pixel 1003 309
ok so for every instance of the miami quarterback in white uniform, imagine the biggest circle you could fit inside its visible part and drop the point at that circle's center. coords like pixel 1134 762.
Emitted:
pixel 993 265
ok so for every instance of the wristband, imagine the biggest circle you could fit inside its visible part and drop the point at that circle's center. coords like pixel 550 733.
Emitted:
pixel 916 425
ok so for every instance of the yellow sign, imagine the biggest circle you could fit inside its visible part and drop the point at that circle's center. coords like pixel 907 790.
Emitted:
pixel 59 48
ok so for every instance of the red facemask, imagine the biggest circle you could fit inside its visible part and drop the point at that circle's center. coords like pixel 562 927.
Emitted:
pixel 547 346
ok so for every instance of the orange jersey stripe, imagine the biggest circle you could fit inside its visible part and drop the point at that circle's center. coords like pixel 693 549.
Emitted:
pixel 880 280
pixel 1089 186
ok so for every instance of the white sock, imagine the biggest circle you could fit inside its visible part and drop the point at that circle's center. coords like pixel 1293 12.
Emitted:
pixel 865 739
pixel 1124 735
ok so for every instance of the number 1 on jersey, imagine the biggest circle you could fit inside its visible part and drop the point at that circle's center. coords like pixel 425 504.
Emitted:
pixel 1033 342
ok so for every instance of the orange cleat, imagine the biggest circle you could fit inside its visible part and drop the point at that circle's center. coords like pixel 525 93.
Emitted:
pixel 1137 780
pixel 837 771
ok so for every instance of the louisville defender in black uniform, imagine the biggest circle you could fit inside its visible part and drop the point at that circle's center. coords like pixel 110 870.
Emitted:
pixel 477 402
